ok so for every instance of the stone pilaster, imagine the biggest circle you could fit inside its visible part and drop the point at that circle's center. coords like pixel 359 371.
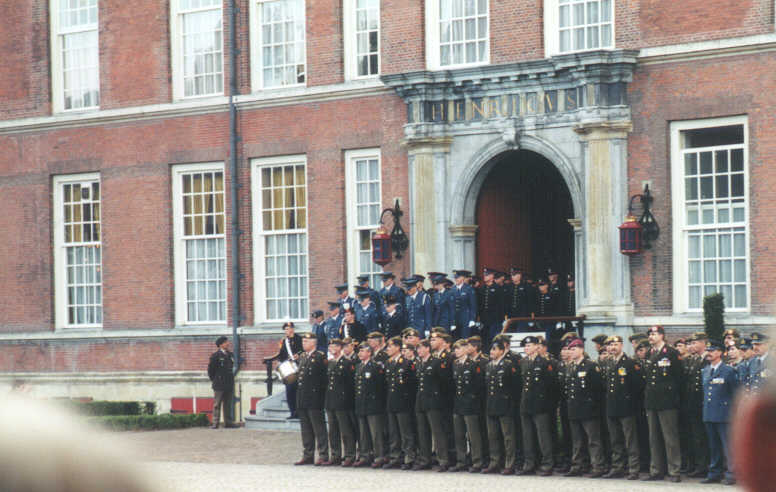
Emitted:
pixel 464 239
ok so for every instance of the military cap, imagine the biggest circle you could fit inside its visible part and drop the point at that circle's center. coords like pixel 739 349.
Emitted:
pixel 346 307
pixel 309 336
pixel 337 341
pixel 347 340
pixel 317 313
pixel 407 347
pixel 758 338
pixel 745 344
pixel 550 271
pixel 418 276
pixel 410 282
pixel 341 287
pixel 732 332
pixel 571 334
pixel 599 339
pixel 391 299
pixel 438 279
pixel 680 341
pixel 656 329
pixel 499 274
pixel 375 334
pixel 529 339
pixel 448 282
pixel 570 277
pixel 436 274
pixel 502 337
pixel 642 344
pixel 364 346
pixel 543 281
pixel 698 335
pixel 362 293
pixel 475 338
pixel 409 332
pixel 437 330
pixel 542 340
pixel 448 338
pixel 636 337
pixel 362 278
pixel 460 343
pixel 333 305
pixel 714 345
pixel 515 270
pixel 387 275
pixel 613 339
pixel 462 273
pixel 488 271
pixel 575 342
pixel 220 340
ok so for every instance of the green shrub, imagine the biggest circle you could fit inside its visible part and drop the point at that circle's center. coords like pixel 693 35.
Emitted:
pixel 714 316
pixel 151 422
pixel 104 408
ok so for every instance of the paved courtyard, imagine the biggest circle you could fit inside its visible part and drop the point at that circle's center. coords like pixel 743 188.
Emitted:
pixel 195 460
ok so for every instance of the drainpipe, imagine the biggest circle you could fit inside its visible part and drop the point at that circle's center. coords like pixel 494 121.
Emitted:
pixel 234 185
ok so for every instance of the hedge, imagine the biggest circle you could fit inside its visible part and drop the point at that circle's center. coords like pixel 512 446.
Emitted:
pixel 105 408
pixel 151 422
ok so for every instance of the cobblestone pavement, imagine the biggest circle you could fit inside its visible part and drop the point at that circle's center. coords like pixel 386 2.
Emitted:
pixel 195 460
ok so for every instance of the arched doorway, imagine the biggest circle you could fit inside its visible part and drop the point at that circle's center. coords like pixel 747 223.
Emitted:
pixel 522 215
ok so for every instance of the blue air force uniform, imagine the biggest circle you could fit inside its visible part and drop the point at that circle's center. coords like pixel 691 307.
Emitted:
pixel 465 307
pixel 443 313
pixel 719 387
pixel 419 312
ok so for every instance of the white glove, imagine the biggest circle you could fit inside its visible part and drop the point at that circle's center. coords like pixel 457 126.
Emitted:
pixel 427 333
pixel 452 328
pixel 471 323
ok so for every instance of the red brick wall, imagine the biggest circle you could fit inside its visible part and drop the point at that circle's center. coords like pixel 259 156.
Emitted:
pixel 402 25
pixel 663 93
pixel 516 30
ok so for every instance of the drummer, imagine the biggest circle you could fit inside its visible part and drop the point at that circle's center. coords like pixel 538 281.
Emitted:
pixel 290 347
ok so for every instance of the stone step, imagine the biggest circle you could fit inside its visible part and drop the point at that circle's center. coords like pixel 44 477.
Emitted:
pixel 258 422
pixel 273 412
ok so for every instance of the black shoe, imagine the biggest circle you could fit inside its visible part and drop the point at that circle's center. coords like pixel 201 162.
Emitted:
pixel 214 426
pixel 293 416
pixel 596 474
pixel 633 476
pixel 614 474
pixel 545 473
pixel 652 478
pixel 526 472
pixel 729 481
pixel 406 466
pixel 675 478
pixel 711 480
pixel 573 473
pixel 698 474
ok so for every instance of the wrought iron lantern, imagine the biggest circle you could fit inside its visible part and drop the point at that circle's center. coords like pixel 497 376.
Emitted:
pixel 630 236
pixel 636 234
pixel 384 244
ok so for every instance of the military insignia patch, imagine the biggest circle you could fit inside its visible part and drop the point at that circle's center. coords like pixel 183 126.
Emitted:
pixel 621 371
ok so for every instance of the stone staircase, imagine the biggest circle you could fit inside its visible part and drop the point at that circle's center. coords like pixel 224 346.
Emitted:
pixel 272 413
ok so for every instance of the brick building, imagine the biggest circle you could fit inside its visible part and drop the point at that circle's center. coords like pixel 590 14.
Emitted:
pixel 510 132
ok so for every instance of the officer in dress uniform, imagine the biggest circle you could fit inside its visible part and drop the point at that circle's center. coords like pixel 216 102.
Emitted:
pixel 475 353
pixel 759 372
pixel 692 406
pixel 344 298
pixel 394 317
pixel 351 328
pixel 538 376
pixel 663 374
pixel 742 368
pixel 469 383
pixel 289 348
pixel 465 303
pixel 520 298
pixel 319 329
pixel 623 383
pixel 720 382
pixel 374 296
pixel 220 371
pixel 441 342
pixel 376 341
pixel 583 387
pixel 400 400
pixel 418 307
pixel 370 408
pixel 547 304
pixel 491 309
pixel 429 403
pixel 339 405
pixel 310 396
pixel 502 390
pixel 391 289
pixel 730 336
pixel 332 324
pixel 366 311
pixel 443 310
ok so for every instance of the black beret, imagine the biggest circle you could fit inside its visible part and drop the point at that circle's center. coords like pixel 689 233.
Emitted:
pixel 220 340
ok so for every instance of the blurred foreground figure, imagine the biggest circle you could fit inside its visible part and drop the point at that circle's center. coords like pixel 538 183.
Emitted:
pixel 43 449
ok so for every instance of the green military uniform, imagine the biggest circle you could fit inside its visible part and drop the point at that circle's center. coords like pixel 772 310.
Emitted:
pixel 469 383
pixel 432 375
pixel 691 416
pixel 663 373
pixel 310 393
pixel 535 406
pixel 370 411
pixel 502 385
pixel 447 410
pixel 623 385
pixel 583 386
pixel 339 406
pixel 400 403
pixel 482 361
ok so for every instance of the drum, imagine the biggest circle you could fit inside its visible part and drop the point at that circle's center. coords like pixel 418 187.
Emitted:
pixel 287 371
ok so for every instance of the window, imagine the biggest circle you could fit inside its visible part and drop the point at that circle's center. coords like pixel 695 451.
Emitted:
pixel 278 55
pixel 280 238
pixel 711 212
pixel 78 253
pixel 363 212
pixel 75 60
pixel 578 25
pixel 198 53
pixel 200 244
pixel 362 38
pixel 457 33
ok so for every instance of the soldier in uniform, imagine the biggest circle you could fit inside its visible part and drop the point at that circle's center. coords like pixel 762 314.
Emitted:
pixel 730 336
pixel 418 307
pixel 289 348
pixel 691 409
pixel 491 309
pixel 390 288
pixel 366 311
pixel 394 317
pixel 339 405
pixel 547 305
pixel 469 383
pixel 502 390
pixel 465 303
pixel 623 384
pixel 370 408
pixel 640 352
pixel 600 347
pixel 742 368
pixel 332 324
pixel 429 403
pixel 411 337
pixel 538 376
pixel 475 353
pixel 719 388
pixel 318 328
pixel 636 339
pixel 443 310
pixel 344 298
pixel 583 386
pixel 440 347
pixel 310 395
pixel 376 342
pixel 400 403
pixel 519 298
pixel 350 327
pixel 663 373
pixel 374 296
pixel 759 373
pixel 220 370
pixel 571 301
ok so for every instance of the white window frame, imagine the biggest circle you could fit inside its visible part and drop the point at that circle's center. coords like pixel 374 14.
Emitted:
pixel 257 69
pixel 353 229
pixel 57 75
pixel 60 262
pixel 552 30
pixel 679 215
pixel 179 246
pixel 349 23
pixel 176 54
pixel 433 61
pixel 259 290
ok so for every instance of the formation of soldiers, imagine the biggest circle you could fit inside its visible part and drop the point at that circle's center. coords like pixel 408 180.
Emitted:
pixel 437 403
pixel 464 305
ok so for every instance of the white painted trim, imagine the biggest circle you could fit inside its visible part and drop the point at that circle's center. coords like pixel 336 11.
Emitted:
pixel 60 273
pixel 179 253
pixel 717 47
pixel 255 39
pixel 199 106
pixel 260 315
pixel 351 156
pixel 677 208
pixel 349 42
